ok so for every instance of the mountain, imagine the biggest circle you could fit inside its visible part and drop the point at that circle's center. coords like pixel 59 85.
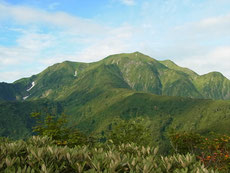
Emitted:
pixel 119 86
pixel 135 71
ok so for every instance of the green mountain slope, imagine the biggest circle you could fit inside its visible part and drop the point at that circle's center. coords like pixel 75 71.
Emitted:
pixel 120 86
pixel 161 112
pixel 93 111
pixel 213 85
pixel 52 81
pixel 140 72
pixel 170 64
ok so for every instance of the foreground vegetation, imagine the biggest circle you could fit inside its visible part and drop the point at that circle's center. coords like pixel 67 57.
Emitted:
pixel 125 147
pixel 40 154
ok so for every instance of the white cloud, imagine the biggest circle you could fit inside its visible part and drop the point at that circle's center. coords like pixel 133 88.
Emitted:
pixel 217 59
pixel 35 42
pixel 128 2
pixel 113 42
pixel 202 46
pixel 213 27
pixel 26 16
pixel 10 76
pixel 14 55
pixel 29 46
pixel 42 48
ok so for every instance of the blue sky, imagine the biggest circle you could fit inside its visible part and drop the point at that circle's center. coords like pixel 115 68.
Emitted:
pixel 35 34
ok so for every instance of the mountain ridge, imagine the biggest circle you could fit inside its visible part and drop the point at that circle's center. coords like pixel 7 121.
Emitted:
pixel 139 71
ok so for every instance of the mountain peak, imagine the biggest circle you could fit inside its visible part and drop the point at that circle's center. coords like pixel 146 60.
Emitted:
pixel 214 74
pixel 136 56
pixel 137 53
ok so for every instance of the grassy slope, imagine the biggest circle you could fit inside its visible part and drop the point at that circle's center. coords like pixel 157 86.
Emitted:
pixel 52 81
pixel 161 113
pixel 170 64
pixel 122 86
pixel 140 72
pixel 213 85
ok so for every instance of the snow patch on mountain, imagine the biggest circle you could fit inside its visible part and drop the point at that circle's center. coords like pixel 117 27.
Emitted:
pixel 32 85
pixel 75 73
pixel 24 98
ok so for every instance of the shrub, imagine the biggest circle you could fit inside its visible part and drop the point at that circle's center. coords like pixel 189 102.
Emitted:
pixel 129 131
pixel 58 131
pixel 186 142
pixel 21 156
pixel 213 151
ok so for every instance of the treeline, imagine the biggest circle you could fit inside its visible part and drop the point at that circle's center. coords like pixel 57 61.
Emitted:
pixel 119 132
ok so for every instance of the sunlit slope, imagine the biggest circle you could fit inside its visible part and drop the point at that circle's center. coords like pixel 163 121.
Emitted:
pixel 161 112
pixel 53 81
pixel 213 85
pixel 135 71
pixel 171 65
pixel 165 111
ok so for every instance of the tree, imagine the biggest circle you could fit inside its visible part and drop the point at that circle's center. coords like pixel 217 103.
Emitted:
pixel 129 131
pixel 57 130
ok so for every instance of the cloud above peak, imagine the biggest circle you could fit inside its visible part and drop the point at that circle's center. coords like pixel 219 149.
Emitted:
pixel 24 15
